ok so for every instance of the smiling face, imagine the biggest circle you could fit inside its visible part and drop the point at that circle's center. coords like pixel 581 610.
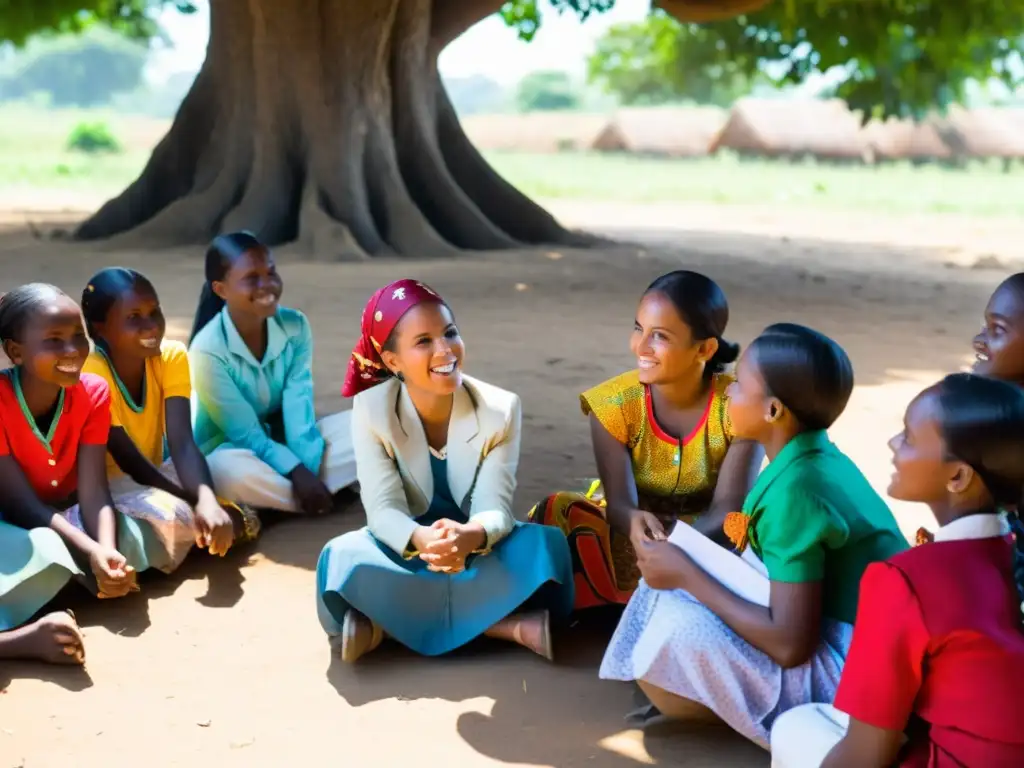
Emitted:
pixel 999 348
pixel 663 343
pixel 427 350
pixel 134 326
pixel 53 344
pixel 922 470
pixel 251 285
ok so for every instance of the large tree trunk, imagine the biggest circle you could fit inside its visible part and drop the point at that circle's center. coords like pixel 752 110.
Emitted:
pixel 325 122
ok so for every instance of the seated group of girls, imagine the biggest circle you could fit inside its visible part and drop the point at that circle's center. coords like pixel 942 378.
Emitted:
pixel 868 653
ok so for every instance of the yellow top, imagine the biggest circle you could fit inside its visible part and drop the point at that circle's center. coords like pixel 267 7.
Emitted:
pixel 166 376
pixel 674 478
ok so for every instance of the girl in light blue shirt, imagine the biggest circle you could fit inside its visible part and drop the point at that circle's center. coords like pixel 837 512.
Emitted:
pixel 252 370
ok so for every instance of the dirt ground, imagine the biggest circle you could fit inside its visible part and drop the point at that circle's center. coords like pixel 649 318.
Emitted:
pixel 225 664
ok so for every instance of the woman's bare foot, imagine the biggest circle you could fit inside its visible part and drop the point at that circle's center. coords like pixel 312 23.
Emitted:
pixel 530 630
pixel 55 638
pixel 358 636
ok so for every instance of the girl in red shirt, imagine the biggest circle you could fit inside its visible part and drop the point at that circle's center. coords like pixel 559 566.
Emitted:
pixel 936 664
pixel 53 435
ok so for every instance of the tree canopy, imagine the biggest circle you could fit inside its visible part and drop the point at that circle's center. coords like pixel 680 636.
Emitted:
pixel 901 56
pixel 21 19
pixel 642 63
pixel 75 70
pixel 546 91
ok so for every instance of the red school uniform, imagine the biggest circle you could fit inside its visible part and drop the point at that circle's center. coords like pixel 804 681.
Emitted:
pixel 938 650
pixel 50 461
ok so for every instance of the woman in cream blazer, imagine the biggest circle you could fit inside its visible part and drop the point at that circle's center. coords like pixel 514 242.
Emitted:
pixel 442 560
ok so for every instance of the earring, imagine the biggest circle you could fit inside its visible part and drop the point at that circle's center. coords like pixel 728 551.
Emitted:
pixel 399 376
pixel 773 413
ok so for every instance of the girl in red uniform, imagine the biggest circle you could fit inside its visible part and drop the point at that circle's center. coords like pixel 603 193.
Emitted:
pixel 936 664
pixel 57 520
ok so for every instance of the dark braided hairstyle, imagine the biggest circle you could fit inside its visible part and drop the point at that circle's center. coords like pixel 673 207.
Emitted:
pixel 701 304
pixel 982 425
pixel 103 291
pixel 807 371
pixel 224 251
pixel 18 306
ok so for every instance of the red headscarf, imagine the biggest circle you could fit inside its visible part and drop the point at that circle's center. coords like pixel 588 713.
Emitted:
pixel 380 316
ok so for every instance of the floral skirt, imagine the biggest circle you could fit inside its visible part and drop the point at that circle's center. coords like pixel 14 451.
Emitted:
pixel 603 561
pixel 670 640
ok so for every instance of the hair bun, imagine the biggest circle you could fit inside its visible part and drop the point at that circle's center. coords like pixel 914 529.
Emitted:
pixel 727 352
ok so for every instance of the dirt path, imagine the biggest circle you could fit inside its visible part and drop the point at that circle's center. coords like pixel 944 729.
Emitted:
pixel 225 664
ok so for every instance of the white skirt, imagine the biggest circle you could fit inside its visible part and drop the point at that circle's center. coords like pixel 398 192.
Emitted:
pixel 670 640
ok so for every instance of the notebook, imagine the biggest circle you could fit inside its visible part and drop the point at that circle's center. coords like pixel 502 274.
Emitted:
pixel 743 575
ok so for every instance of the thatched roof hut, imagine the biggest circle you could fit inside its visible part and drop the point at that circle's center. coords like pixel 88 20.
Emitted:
pixel 987 132
pixel 900 139
pixel 540 132
pixel 825 129
pixel 662 131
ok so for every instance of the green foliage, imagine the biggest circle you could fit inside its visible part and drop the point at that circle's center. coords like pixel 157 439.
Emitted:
pixel 92 138
pixel 21 19
pixel 902 57
pixel 70 70
pixel 546 91
pixel 642 64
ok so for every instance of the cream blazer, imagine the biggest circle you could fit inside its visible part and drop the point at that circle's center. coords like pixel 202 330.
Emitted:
pixel 393 459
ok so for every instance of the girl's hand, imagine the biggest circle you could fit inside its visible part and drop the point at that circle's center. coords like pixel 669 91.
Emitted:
pixel 214 528
pixel 310 492
pixel 663 565
pixel 114 577
pixel 644 528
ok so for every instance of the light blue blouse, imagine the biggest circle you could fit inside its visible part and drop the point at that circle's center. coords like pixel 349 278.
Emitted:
pixel 234 395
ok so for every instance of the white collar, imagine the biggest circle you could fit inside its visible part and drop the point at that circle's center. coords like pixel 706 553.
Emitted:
pixel 974 527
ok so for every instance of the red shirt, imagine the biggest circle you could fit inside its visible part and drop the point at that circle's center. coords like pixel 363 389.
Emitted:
pixel 50 461
pixel 938 644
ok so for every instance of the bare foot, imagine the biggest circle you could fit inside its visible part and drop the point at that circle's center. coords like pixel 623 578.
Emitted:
pixel 55 638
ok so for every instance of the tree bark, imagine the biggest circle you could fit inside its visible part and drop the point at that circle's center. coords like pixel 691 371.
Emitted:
pixel 325 122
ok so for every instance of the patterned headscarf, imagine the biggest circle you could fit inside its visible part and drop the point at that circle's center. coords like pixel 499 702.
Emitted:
pixel 380 316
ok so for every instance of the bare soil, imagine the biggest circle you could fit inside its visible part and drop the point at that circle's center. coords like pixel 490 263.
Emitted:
pixel 224 663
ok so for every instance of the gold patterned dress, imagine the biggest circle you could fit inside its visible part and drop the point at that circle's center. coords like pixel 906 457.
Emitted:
pixel 675 480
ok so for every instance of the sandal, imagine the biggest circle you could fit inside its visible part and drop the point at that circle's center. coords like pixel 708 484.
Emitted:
pixel 359 636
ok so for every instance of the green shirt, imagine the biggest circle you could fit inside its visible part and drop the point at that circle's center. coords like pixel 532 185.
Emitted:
pixel 815 517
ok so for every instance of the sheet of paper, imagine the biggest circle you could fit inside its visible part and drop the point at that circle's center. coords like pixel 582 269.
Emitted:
pixel 742 576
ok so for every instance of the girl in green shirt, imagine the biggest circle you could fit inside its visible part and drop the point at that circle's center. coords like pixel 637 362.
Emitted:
pixel 811 524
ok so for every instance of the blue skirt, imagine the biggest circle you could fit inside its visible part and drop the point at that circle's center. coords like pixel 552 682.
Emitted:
pixel 34 566
pixel 434 613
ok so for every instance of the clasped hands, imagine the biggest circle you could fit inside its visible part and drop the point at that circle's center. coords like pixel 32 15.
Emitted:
pixel 445 545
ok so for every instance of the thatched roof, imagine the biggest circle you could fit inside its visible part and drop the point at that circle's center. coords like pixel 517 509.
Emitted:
pixel 896 139
pixel 535 131
pixel 984 132
pixel 662 131
pixel 793 127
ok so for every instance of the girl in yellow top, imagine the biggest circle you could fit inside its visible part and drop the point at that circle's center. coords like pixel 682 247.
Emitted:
pixel 662 441
pixel 150 408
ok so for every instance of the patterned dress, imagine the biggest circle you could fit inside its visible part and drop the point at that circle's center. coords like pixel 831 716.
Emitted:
pixel 675 480
pixel 812 517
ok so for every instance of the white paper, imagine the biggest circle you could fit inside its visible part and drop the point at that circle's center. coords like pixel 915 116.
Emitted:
pixel 744 575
